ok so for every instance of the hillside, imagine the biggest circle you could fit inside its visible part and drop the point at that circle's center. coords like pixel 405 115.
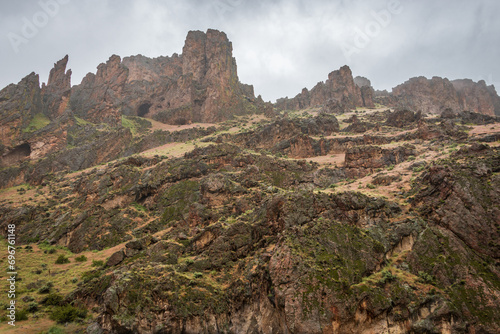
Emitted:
pixel 161 196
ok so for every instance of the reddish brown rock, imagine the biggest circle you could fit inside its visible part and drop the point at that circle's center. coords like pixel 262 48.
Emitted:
pixel 402 118
pixel 477 97
pixel 437 95
pixel 201 85
pixel 367 91
pixel 56 93
pixel 376 157
pixel 18 105
pixel 339 87
pixel 97 98
pixel 428 95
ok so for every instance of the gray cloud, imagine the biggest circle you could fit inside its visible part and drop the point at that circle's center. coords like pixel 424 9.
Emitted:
pixel 280 46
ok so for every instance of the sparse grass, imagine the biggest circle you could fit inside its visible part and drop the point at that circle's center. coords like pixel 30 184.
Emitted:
pixel 38 122
pixel 57 281
pixel 81 121
pixel 129 124
pixel 418 169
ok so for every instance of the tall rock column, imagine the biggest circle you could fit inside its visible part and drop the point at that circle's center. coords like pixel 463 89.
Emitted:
pixel 56 94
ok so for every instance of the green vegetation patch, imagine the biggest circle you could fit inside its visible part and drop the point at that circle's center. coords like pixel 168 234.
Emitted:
pixel 38 122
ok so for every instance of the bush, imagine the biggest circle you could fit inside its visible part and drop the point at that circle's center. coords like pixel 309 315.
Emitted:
pixel 387 276
pixel 21 315
pixel 370 186
pixel 81 258
pixel 53 299
pixel 46 288
pixel 50 251
pixel 425 277
pixel 62 259
pixel 68 313
pixel 32 307
pixel 90 275
pixel 98 263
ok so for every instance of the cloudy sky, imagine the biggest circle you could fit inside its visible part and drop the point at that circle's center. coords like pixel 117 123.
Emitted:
pixel 280 46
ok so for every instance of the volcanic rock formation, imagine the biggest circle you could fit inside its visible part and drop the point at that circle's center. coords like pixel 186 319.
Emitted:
pixel 340 88
pixel 201 85
pixel 437 94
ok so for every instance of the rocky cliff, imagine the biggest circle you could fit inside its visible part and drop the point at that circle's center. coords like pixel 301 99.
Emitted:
pixel 340 88
pixel 437 94
pixel 55 95
pixel 201 85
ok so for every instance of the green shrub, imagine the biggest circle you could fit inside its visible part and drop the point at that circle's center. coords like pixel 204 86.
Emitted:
pixel 53 299
pixel 51 250
pixel 371 186
pixel 81 258
pixel 90 275
pixel 21 315
pixel 425 277
pixel 46 288
pixel 67 313
pixel 97 263
pixel 62 259
pixel 387 276
pixel 32 307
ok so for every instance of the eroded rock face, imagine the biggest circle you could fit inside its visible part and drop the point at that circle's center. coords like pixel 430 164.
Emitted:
pixel 340 87
pixel 477 97
pixel 97 98
pixel 367 91
pixel 437 95
pixel 376 157
pixel 201 85
pixel 19 103
pixel 55 94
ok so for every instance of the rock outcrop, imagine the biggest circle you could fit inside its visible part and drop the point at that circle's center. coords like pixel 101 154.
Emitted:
pixel 339 88
pixel 201 85
pixel 367 91
pixel 477 97
pixel 437 95
pixel 19 103
pixel 55 95
pixel 373 157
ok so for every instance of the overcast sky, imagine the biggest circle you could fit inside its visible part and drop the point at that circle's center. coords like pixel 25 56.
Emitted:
pixel 280 46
